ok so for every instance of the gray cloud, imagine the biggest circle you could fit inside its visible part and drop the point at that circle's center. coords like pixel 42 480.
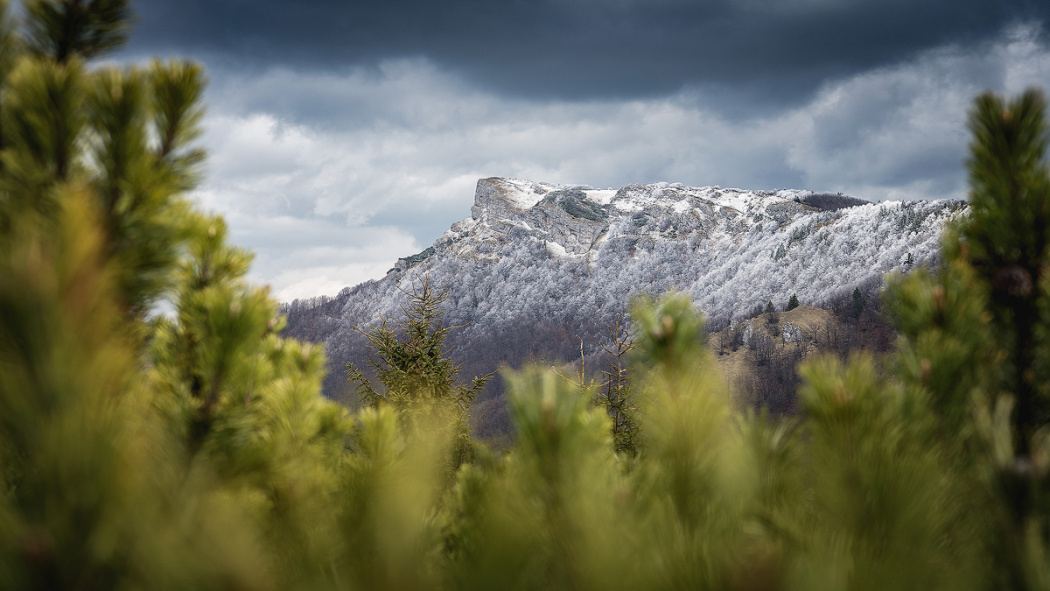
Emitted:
pixel 344 135
pixel 756 54
pixel 332 175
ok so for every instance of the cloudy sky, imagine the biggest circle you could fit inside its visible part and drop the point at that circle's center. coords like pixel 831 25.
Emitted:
pixel 344 134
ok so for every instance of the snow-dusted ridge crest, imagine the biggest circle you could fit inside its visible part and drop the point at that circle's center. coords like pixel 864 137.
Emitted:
pixel 571 218
pixel 523 194
pixel 534 253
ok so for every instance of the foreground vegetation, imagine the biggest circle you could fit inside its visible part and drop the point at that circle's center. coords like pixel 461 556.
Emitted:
pixel 194 451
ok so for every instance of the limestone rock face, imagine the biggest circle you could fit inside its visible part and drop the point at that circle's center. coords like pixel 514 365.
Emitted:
pixel 570 258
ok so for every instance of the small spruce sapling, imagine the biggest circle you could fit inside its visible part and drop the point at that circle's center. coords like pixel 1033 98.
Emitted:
pixel 858 303
pixel 412 366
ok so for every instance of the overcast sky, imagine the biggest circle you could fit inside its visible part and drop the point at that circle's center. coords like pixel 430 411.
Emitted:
pixel 344 134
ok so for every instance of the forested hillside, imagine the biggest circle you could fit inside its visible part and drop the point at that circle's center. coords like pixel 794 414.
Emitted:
pixel 538 269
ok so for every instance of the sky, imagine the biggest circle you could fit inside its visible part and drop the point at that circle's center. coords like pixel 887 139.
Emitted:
pixel 344 134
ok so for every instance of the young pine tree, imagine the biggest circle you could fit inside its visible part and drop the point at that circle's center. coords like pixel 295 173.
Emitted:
pixel 413 368
pixel 975 333
pixel 858 303
pixel 190 452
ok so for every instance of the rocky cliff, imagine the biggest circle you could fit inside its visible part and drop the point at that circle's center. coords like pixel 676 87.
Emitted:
pixel 538 267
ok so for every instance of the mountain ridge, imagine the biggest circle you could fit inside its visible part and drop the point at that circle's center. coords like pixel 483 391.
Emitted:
pixel 538 267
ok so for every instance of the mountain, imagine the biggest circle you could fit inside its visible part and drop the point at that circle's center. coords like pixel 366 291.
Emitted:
pixel 538 269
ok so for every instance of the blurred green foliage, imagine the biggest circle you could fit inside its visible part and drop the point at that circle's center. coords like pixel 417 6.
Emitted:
pixel 193 450
pixel 415 373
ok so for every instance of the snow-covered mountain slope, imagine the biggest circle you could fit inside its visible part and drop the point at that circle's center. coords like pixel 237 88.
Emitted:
pixel 560 261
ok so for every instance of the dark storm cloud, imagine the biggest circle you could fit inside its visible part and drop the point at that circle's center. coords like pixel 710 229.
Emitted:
pixel 346 133
pixel 767 51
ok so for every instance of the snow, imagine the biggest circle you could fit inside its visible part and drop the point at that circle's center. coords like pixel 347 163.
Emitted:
pixel 556 250
pixel 525 194
pixel 627 205
pixel 601 196
pixel 658 237
pixel 739 200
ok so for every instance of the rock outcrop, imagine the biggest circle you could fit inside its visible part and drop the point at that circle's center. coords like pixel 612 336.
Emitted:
pixel 537 267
